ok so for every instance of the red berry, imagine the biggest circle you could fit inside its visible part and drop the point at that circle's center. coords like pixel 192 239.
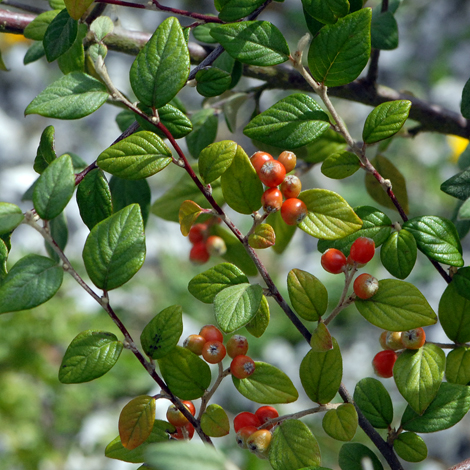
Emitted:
pixel 365 286
pixel 211 333
pixel 259 442
pixel 383 363
pixel 272 173
pixel 213 352
pixel 291 186
pixel 245 418
pixel 293 211
pixel 197 233
pixel 362 250
pixel 288 159
pixel 176 418
pixel 242 367
pixel 184 432
pixel 199 253
pixel 271 200
pixel 333 261
pixel 266 413
pixel 216 246
pixel 237 345
pixel 243 434
pixel 413 339
pixel 195 343
pixel 258 159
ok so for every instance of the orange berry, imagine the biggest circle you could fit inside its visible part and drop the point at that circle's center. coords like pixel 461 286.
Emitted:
pixel 271 200
pixel 293 211
pixel 272 173
pixel 288 159
pixel 258 159
pixel 291 186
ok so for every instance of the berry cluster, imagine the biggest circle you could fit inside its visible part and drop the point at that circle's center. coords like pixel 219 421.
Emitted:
pixel 272 174
pixel 209 344
pixel 249 436
pixel 392 341
pixel 204 245
pixel 184 429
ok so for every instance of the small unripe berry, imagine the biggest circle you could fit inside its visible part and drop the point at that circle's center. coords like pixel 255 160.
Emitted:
pixel 362 250
pixel 271 200
pixel 291 186
pixel 383 363
pixel 242 367
pixel 213 352
pixel 413 339
pixel 258 159
pixel 195 343
pixel 272 173
pixel 211 333
pixel 216 246
pixel 293 211
pixel 237 345
pixel 176 418
pixel 391 340
pixel 365 286
pixel 245 418
pixel 333 261
pixel 199 253
pixel 197 233
pixel 243 434
pixel 288 159
pixel 259 442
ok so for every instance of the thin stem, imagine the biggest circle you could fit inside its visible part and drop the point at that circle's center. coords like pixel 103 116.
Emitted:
pixel 122 3
pixel 343 302
pixel 208 395
pixel 449 345
pixel 190 14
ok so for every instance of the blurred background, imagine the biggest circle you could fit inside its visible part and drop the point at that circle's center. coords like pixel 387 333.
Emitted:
pixel 46 425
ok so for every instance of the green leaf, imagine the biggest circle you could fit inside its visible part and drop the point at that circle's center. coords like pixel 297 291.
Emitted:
pixel 329 215
pixel 397 306
pixel 161 68
pixel 351 457
pixel 73 60
pixel 385 120
pixel 115 449
pixel 207 285
pixel 212 81
pixel 464 211
pixel 321 339
pixel 60 35
pixel 418 375
pixel 458 366
pixel 258 325
pixel 73 96
pixel 136 421
pixel 90 355
pixel 398 254
pixel 235 306
pixel 101 27
pixel 235 9
pixel 187 376
pixel 328 143
pixel 447 409
pixel 203 33
pixel 454 314
pixel 340 165
pixel 326 11
pixel 10 217
pixel 3 260
pixel 410 447
pixel 77 8
pixel 188 214
pixel 389 171
pixel 45 154
pixel 307 294
pixel 290 123
pixel 339 52
pixel 253 42
pixel 54 188
pixel 374 401
pixel 214 421
pixel 94 198
pixel 375 225
pixel 138 156
pixel 36 29
pixel 32 281
pixel 234 68
pixel 241 186
pixel 293 446
pixel 263 236
pixel 321 374
pixel 232 106
pixel 162 333
pixel 458 186
pixel 34 52
pixel 465 104
pixel 437 238
pixel 115 248
pixel 126 192
pixel 215 159
pixel 205 123
pixel 267 385
pixel 60 234
pixel 461 280
pixel 341 423
pixel 384 31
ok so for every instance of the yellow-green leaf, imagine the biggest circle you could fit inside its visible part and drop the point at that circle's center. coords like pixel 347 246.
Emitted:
pixel 189 212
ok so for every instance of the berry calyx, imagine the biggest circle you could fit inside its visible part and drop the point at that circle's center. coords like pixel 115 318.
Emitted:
pixel 288 159
pixel 362 250
pixel 197 233
pixel 291 186
pixel 365 286
pixel 391 340
pixel 266 413
pixel 271 200
pixel 237 345
pixel 272 173
pixel 199 253
pixel 293 211
pixel 216 246
pixel 245 418
pixel 242 367
pixel 243 434
pixel 213 352
pixel 176 418
pixel 258 159
pixel 195 343
pixel 259 442
pixel 413 339
pixel 383 363
pixel 333 261
pixel 211 333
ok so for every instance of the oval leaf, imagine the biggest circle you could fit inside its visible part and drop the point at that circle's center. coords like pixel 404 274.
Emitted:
pixel 258 325
pixel 212 81
pixel 262 237
pixel 60 35
pixel 340 165
pixel 267 385
pixel 454 314
pixel 351 457
pixel 458 366
pixel 214 421
pixel 136 421
pixel 397 306
pixel 215 159
pixel 341 423
pixel 10 217
pixel 188 214
pixel 77 8
pixel 410 447
pixel 321 339
pixel 90 355
pixel 398 254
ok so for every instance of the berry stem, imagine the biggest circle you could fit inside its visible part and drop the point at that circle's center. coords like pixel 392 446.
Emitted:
pixel 343 301
pixel 208 395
